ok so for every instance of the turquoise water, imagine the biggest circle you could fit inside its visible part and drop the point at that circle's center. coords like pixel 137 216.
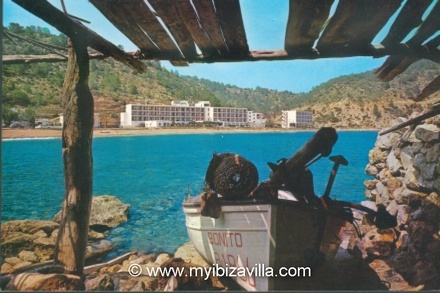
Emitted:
pixel 152 174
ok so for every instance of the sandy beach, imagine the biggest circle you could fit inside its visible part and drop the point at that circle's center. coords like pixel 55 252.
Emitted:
pixel 8 133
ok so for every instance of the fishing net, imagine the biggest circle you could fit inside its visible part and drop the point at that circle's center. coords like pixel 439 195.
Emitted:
pixel 231 175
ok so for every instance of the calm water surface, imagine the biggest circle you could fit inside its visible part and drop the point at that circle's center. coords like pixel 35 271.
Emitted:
pixel 152 174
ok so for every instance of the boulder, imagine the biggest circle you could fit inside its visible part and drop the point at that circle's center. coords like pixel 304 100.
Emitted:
pixel 407 160
pixel 379 243
pixel 427 132
pixel 28 256
pixel 97 251
pixel 433 153
pixel 393 163
pixel 371 170
pixel 428 171
pixel 384 196
pixel 392 208
pixel 393 184
pixel 27 227
pixel 99 283
pixel 410 179
pixel 6 269
pixel 376 155
pixel 420 233
pixel 416 147
pixel 107 212
pixel 45 282
pixel 370 184
pixel 190 255
pixel 386 141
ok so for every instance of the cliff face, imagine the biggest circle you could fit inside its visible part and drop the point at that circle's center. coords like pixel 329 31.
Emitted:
pixel 407 181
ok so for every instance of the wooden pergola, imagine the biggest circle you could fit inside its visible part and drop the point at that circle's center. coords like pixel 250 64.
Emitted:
pixel 171 30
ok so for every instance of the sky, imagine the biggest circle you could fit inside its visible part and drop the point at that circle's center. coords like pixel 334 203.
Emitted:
pixel 265 22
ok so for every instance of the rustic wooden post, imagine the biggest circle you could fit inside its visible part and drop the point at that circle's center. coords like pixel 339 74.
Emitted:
pixel 77 157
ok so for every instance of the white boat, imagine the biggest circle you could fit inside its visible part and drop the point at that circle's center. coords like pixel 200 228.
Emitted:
pixel 261 237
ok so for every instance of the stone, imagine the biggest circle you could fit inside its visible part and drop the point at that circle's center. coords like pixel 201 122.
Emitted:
pixel 393 184
pixel 107 212
pixel 384 174
pixel 409 195
pixel 402 238
pixel 425 274
pixel 392 208
pixel 6 269
pixel 28 256
pixel 162 258
pixel 425 183
pixel 45 282
pixel 114 269
pixel 387 141
pixel 370 184
pixel 381 166
pixel 420 233
pixel 433 153
pixel 54 234
pixel 407 160
pixel 376 155
pixel 148 257
pixel 410 180
pixel 369 204
pixel 190 255
pixel 397 195
pixel 403 212
pixel 419 161
pixel 100 283
pixel 12 260
pixel 371 194
pixel 416 147
pixel 93 235
pixel 428 171
pixel 16 242
pixel 371 170
pixel 22 265
pixel 27 227
pixel 434 199
pixel 427 132
pixel 40 234
pixel 97 251
pixel 393 163
pixel 379 243
pixel 384 197
pixel 436 184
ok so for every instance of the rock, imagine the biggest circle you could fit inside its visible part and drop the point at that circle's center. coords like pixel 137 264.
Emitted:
pixel 433 153
pixel 425 274
pixel 6 269
pixel 376 156
pixel 22 265
pixel 410 180
pixel 384 196
pixel 402 238
pixel 371 194
pixel 427 132
pixel 397 195
pixel 27 227
pixel 393 163
pixel 190 255
pixel 162 258
pixel 419 161
pixel 409 195
pixel 40 234
pixel 420 233
pixel 428 171
pixel 371 170
pixel 16 242
pixel 114 269
pixel 379 243
pixel 434 199
pixel 28 256
pixel 100 283
pixel 148 257
pixel 425 183
pixel 93 235
pixel 370 184
pixel 47 282
pixel 98 251
pixel 387 141
pixel 369 204
pixel 381 166
pixel 384 174
pixel 392 208
pixel 107 212
pixel 403 212
pixel 54 234
pixel 406 160
pixel 393 184
pixel 416 147
pixel 12 260
pixel 436 184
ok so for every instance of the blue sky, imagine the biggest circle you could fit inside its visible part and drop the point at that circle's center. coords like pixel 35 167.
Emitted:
pixel 265 22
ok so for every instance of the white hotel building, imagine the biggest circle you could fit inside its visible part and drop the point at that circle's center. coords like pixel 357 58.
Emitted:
pixel 294 119
pixel 181 113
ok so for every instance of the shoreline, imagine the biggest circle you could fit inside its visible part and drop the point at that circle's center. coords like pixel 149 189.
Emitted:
pixel 11 134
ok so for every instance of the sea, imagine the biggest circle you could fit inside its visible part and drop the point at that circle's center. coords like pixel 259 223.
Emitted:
pixel 154 173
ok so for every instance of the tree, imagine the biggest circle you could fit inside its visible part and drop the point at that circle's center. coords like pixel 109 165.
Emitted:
pixel 9 115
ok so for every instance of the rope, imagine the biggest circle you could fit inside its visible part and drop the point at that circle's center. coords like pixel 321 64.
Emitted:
pixel 231 175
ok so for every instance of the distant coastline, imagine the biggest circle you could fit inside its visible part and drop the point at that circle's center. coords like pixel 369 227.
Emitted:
pixel 8 133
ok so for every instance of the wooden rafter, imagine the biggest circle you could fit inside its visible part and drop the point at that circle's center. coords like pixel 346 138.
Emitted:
pixel 71 27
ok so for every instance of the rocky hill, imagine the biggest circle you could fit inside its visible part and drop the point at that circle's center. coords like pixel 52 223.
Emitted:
pixel 357 100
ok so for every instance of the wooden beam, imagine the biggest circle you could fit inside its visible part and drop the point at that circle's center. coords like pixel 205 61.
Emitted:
pixel 191 21
pixel 231 22
pixel 143 16
pixel 72 28
pixel 305 22
pixel 356 22
pixel 49 58
pixel 431 88
pixel 429 27
pixel 122 20
pixel 409 18
pixel 70 250
pixel 168 12
pixel 209 22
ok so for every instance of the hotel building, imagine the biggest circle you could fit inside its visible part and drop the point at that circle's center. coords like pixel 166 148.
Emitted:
pixel 294 119
pixel 181 113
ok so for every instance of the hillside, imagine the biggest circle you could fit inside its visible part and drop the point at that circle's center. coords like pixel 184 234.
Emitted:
pixel 358 100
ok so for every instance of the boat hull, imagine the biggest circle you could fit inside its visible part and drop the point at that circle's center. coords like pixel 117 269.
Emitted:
pixel 261 237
